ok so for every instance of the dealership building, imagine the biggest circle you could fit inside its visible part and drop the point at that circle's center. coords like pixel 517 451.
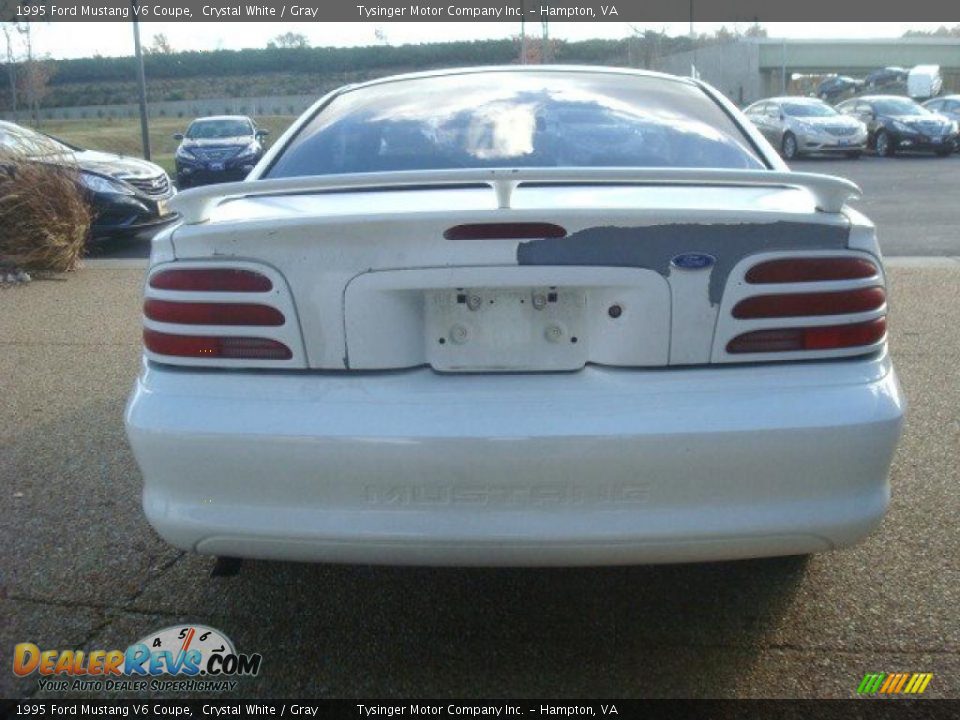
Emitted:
pixel 752 69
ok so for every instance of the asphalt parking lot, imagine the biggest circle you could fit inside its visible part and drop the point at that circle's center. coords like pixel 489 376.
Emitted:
pixel 82 569
pixel 899 193
pixel 912 199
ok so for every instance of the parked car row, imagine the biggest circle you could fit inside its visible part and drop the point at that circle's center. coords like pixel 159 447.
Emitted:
pixel 886 124
pixel 919 82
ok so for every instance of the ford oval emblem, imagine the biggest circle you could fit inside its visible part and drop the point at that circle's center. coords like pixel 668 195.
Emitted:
pixel 693 261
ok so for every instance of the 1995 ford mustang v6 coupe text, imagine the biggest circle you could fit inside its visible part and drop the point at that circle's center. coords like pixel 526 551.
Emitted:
pixel 517 316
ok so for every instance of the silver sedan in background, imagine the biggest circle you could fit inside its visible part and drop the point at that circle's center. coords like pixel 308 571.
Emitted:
pixel 948 106
pixel 801 126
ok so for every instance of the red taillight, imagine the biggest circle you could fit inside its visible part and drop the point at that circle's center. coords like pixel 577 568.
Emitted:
pixel 803 304
pixel 828 337
pixel 211 280
pixel 789 270
pixel 195 313
pixel 211 346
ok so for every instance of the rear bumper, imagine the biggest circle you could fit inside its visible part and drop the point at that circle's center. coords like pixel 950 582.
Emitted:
pixel 826 143
pixel 922 143
pixel 818 147
pixel 602 466
pixel 143 229
pixel 200 175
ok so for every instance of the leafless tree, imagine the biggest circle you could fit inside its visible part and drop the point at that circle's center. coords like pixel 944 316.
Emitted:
pixel 9 34
pixel 160 45
pixel 35 73
pixel 289 40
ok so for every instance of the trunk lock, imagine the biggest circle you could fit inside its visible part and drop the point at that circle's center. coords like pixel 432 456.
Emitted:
pixel 459 334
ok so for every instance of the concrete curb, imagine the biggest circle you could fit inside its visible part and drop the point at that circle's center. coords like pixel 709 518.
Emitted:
pixel 115 263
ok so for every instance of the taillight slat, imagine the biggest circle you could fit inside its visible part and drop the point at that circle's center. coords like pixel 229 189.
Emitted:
pixel 824 337
pixel 198 313
pixel 814 269
pixel 811 304
pixel 213 346
pixel 211 280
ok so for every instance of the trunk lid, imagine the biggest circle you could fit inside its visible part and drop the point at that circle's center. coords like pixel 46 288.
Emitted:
pixel 636 280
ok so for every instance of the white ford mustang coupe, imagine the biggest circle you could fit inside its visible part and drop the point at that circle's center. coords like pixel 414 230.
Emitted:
pixel 517 316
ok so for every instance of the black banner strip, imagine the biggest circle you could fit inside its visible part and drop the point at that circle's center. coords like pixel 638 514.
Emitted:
pixel 383 11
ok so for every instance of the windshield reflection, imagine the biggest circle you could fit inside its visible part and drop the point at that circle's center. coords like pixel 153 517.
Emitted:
pixel 518 119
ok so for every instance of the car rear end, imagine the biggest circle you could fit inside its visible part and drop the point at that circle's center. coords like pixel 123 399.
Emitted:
pixel 131 206
pixel 524 367
pixel 214 165
pixel 838 138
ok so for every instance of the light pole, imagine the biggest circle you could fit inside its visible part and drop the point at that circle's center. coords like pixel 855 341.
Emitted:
pixel 693 41
pixel 523 33
pixel 142 81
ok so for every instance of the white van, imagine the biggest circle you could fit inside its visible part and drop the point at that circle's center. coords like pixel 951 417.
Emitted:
pixel 924 81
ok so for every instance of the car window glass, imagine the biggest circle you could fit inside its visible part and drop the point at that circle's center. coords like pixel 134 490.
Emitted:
pixel 517 119
pixel 899 106
pixel 808 109
pixel 213 129
pixel 24 140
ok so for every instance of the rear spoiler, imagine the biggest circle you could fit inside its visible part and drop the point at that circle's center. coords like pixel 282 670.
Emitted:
pixel 829 193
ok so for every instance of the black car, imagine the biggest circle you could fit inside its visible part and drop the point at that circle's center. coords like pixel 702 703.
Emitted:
pixel 218 149
pixel 897 123
pixel 832 88
pixel 884 77
pixel 128 195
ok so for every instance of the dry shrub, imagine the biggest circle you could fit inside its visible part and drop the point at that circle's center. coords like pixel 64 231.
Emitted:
pixel 44 215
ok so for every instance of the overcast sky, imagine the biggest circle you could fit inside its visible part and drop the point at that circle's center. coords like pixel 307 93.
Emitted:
pixel 65 39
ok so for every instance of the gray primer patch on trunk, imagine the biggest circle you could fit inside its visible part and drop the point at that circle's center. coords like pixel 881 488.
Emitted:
pixel 652 247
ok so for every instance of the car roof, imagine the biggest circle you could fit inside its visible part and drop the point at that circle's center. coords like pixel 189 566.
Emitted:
pixel 953 96
pixel 795 98
pixel 221 117
pixel 871 98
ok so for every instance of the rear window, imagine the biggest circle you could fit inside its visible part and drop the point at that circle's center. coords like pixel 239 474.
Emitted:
pixel 220 128
pixel 897 106
pixel 517 119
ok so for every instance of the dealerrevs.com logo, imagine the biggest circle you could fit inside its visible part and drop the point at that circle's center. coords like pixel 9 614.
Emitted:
pixel 180 657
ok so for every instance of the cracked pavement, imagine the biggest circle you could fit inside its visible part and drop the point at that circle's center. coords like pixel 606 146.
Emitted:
pixel 82 569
